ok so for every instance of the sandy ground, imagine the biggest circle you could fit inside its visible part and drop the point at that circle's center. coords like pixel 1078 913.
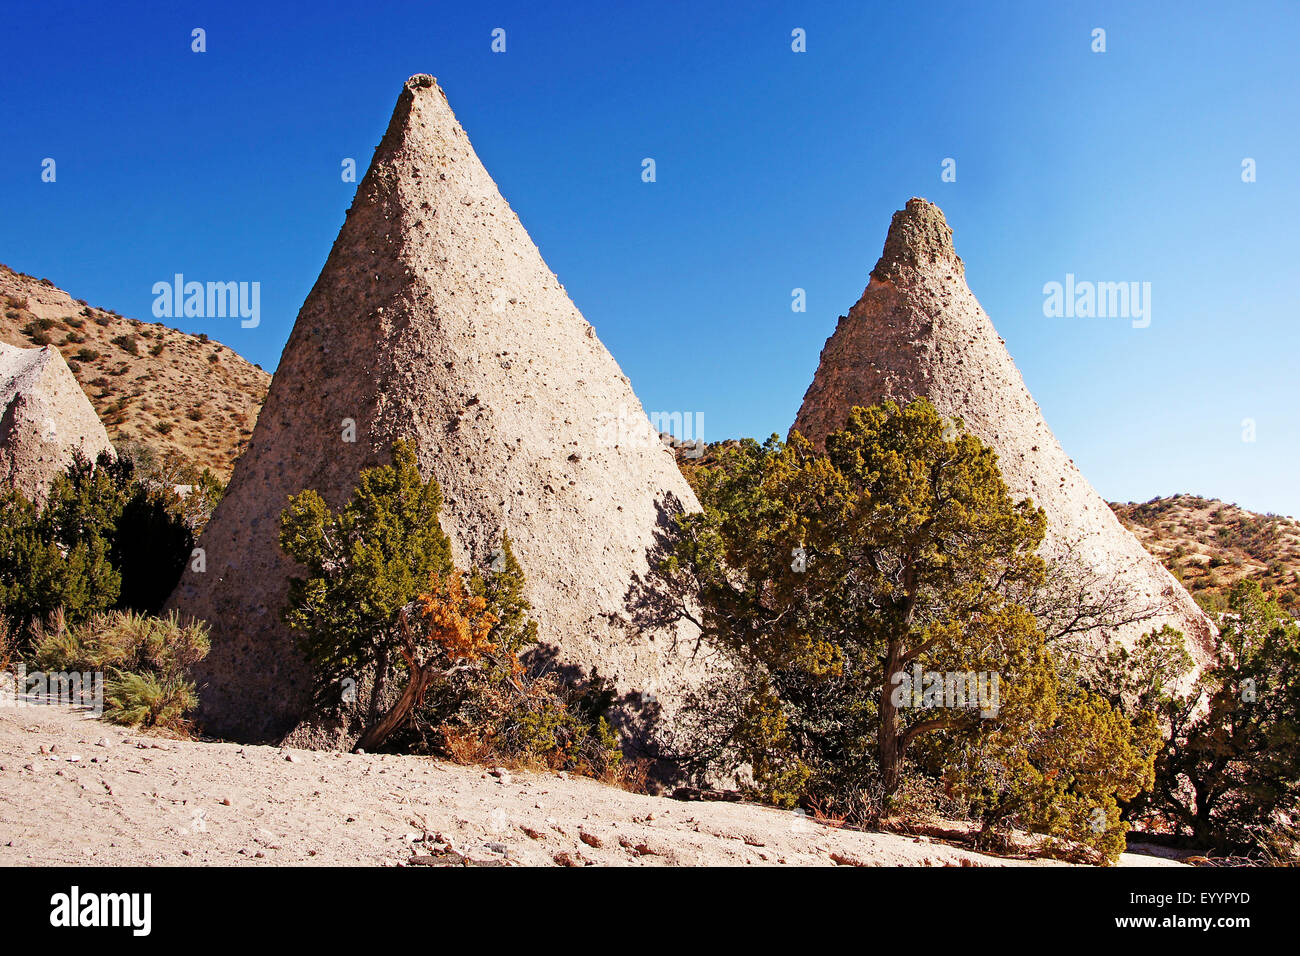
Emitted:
pixel 101 796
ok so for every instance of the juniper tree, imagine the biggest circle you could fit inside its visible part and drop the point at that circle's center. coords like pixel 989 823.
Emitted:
pixel 826 575
pixel 363 563
pixel 105 537
pixel 380 589
pixel 1230 775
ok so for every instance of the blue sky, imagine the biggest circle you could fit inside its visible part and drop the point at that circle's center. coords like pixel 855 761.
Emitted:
pixel 775 170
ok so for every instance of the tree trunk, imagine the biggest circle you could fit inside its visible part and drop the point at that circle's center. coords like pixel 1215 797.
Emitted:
pixel 398 714
pixel 1202 828
pixel 889 738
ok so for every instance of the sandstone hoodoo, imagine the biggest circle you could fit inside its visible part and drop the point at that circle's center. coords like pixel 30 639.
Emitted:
pixel 918 331
pixel 435 319
pixel 47 420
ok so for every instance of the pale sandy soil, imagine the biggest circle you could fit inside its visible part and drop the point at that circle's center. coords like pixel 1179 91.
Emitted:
pixel 101 796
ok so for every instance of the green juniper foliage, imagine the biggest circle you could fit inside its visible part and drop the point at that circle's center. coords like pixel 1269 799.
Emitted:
pixel 106 537
pixel 1230 776
pixel 825 575
pixel 363 563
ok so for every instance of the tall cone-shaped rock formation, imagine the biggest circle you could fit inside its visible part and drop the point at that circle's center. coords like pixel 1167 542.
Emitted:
pixel 436 319
pixel 918 331
pixel 47 420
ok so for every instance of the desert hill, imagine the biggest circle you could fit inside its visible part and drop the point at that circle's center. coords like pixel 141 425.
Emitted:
pixel 150 384
pixel 1210 545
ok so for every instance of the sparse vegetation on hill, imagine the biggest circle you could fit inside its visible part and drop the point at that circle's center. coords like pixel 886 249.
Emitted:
pixel 144 380
pixel 1210 546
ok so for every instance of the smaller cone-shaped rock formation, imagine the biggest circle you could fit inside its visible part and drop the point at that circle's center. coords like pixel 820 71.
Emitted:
pixel 918 331
pixel 47 420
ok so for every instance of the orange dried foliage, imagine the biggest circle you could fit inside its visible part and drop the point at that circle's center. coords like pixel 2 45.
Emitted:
pixel 456 620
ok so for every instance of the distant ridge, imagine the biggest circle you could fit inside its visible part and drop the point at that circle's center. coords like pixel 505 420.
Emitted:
pixel 176 393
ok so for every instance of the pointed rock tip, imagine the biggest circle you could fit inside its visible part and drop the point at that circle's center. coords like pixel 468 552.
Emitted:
pixel 919 237
pixel 423 81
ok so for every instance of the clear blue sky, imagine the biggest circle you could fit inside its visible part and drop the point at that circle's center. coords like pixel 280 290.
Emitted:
pixel 775 170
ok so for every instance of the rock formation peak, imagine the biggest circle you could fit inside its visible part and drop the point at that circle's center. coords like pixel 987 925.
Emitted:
pixel 919 242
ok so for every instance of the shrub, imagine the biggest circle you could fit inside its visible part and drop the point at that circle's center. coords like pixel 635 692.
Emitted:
pixel 87 355
pixel 363 563
pixel 59 557
pixel 380 584
pixel 1230 775
pixel 36 333
pixel 127 343
pixel 147 661
pixel 145 700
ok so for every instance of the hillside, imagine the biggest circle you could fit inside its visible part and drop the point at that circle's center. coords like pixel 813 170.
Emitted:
pixel 151 385
pixel 1210 545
